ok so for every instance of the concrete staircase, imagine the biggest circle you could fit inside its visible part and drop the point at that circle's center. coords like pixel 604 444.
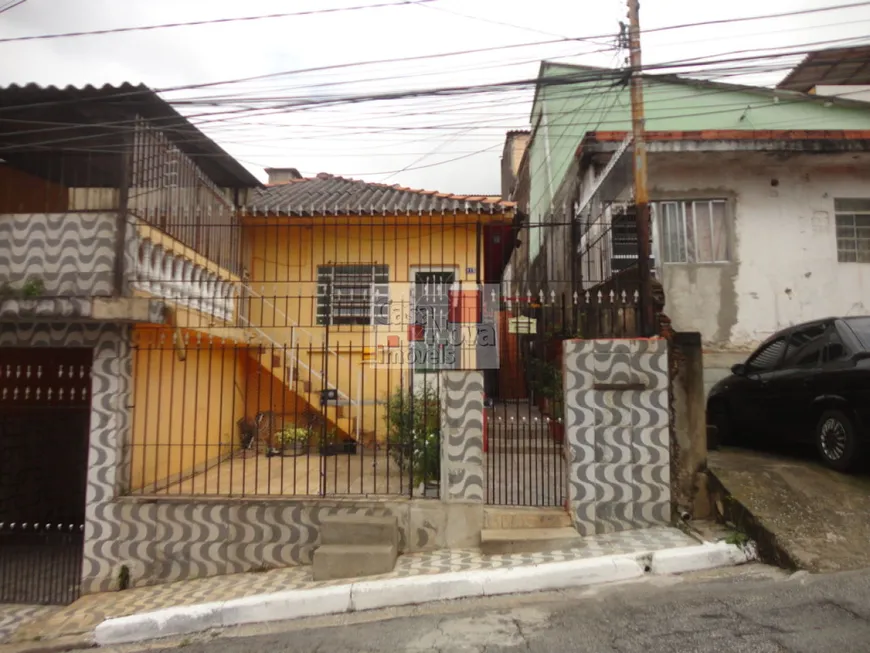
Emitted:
pixel 526 530
pixel 356 545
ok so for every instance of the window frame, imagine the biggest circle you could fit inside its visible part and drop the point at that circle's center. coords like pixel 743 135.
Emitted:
pixel 379 276
pixel 689 247
pixel 850 208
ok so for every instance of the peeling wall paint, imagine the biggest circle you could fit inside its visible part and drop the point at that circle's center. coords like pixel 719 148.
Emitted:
pixel 784 267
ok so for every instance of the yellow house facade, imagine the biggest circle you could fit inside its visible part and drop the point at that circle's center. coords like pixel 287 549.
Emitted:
pixel 350 293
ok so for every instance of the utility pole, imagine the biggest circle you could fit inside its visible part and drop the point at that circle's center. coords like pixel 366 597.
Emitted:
pixel 641 191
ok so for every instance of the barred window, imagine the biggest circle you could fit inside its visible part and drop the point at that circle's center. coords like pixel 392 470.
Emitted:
pixel 351 294
pixel 853 230
pixel 693 231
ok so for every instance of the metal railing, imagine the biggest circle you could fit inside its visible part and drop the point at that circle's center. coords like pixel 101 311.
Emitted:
pixel 40 563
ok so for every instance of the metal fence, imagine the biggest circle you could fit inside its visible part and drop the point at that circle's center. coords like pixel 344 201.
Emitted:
pixel 322 378
pixel 40 563
pixel 214 417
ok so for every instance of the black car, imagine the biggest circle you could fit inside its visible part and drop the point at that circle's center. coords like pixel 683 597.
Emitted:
pixel 809 383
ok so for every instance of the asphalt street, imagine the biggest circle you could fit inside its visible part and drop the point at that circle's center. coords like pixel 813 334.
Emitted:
pixel 753 609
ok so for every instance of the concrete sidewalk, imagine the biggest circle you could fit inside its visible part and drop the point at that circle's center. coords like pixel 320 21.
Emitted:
pixel 416 571
pixel 802 514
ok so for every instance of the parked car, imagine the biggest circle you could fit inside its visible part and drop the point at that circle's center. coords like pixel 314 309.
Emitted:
pixel 809 383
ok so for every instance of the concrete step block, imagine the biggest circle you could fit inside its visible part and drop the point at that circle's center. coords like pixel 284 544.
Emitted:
pixel 527 540
pixel 333 561
pixel 510 518
pixel 359 529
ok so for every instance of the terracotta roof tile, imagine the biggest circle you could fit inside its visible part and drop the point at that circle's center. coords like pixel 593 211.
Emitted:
pixel 328 195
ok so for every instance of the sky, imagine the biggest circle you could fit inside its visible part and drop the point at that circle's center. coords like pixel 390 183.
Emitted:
pixel 449 143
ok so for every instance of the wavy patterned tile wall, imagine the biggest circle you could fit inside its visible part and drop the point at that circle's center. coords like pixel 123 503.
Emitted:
pixel 462 464
pixel 617 434
pixel 182 539
pixel 73 253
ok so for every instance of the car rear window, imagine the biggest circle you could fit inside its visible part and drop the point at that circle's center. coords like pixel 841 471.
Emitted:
pixel 861 327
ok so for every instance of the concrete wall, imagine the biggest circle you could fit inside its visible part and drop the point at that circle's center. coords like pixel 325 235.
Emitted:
pixel 514 147
pixel 688 426
pixel 782 233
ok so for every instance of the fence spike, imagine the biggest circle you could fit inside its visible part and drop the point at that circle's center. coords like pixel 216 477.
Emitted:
pixel 552 296
pixel 576 297
pixel 624 297
pixel 636 297
pixel 600 297
pixel 612 297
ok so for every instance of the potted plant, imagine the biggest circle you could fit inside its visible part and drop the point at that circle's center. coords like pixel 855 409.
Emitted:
pixel 414 437
pixel 290 441
pixel 547 385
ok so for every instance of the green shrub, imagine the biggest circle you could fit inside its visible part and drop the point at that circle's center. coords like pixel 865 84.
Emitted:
pixel 414 433
pixel 546 378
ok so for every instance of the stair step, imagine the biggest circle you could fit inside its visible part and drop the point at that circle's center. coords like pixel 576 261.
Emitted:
pixel 333 561
pixel 359 530
pixel 527 540
pixel 514 518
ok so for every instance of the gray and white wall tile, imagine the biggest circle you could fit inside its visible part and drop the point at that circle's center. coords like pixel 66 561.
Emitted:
pixel 617 440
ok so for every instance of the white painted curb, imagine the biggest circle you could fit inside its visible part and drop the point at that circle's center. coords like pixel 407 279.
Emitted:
pixel 365 595
pixel 709 555
pixel 411 590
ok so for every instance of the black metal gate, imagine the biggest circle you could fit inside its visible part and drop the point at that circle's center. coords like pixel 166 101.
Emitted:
pixel 525 424
pixel 44 429
pixel 525 463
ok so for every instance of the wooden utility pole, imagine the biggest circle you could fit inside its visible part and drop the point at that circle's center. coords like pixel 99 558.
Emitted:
pixel 641 191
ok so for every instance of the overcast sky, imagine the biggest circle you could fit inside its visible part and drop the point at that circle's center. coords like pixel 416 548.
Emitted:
pixel 449 143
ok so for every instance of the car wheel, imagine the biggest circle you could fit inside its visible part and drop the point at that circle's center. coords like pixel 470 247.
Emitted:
pixel 836 441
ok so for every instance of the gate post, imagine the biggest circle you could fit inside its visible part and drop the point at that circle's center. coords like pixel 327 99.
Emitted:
pixel 617 434
pixel 462 465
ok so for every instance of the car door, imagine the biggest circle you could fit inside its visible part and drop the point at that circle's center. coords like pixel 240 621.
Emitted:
pixel 750 401
pixel 791 386
pixel 840 378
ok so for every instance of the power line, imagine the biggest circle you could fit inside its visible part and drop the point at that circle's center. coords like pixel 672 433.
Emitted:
pixel 196 23
pixel 11 5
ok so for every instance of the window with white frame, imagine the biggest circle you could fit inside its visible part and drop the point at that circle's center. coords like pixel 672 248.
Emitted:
pixel 853 230
pixel 693 231
pixel 351 294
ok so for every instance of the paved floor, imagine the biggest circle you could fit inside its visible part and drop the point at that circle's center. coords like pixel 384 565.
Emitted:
pixel 741 610
pixel 83 615
pixel 819 516
pixel 13 616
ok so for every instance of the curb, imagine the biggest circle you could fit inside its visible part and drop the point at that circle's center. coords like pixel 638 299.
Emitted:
pixel 392 592
pixel 709 555
pixel 768 545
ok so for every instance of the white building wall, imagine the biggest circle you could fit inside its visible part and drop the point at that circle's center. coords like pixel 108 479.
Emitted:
pixel 784 266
